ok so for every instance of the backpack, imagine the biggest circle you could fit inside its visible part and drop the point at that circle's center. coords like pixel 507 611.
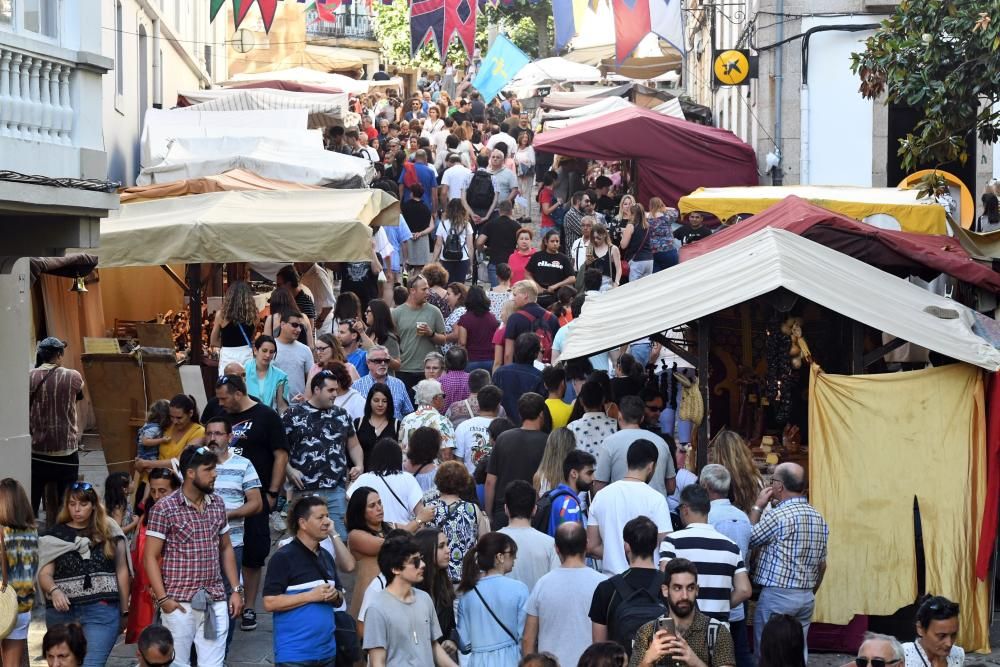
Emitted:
pixel 480 192
pixel 453 244
pixel 542 517
pixel 410 177
pixel 636 607
pixel 558 214
pixel 539 327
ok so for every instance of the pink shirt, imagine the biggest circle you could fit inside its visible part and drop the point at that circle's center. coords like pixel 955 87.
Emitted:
pixel 518 263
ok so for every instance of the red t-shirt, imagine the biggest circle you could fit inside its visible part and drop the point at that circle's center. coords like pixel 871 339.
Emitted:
pixel 518 263
pixel 545 197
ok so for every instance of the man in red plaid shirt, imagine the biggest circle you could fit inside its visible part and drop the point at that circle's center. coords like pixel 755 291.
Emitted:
pixel 190 530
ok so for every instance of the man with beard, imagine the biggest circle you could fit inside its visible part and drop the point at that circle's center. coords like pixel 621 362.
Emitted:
pixel 578 476
pixel 190 531
pixel 698 641
pixel 320 438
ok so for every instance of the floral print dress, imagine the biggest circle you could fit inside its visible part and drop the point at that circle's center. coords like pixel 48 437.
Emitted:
pixel 459 522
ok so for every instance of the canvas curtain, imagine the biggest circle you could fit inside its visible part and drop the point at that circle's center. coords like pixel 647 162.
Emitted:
pixel 876 441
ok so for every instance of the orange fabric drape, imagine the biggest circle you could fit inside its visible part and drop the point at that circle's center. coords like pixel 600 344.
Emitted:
pixel 71 316
pixel 875 442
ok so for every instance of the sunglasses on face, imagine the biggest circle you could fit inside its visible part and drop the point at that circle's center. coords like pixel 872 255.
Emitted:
pixel 322 348
pixel 875 662
pixel 150 663
pixel 294 325
pixel 378 361
pixel 654 408
pixel 416 561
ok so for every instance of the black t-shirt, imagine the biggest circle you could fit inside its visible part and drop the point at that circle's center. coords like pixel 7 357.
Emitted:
pixel 213 409
pixel 517 455
pixel 478 111
pixel 418 218
pixel 359 279
pixel 257 434
pixel 501 238
pixel 606 598
pixel 462 117
pixel 516 132
pixel 548 269
pixel 687 234
pixel 606 205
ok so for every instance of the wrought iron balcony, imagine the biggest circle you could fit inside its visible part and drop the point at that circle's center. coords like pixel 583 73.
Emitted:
pixel 344 25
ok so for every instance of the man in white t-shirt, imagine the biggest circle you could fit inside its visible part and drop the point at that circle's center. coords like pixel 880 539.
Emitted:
pixel 472 437
pixel 454 180
pixel 618 503
pixel 557 619
pixel 536 551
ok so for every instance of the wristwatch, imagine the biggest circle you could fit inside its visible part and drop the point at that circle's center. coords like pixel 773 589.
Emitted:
pixel 239 589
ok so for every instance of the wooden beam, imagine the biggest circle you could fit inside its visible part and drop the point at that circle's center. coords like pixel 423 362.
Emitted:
pixel 880 352
pixel 704 379
pixel 681 352
pixel 176 278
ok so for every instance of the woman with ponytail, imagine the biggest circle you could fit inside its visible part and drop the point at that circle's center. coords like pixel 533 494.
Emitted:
pixel 491 610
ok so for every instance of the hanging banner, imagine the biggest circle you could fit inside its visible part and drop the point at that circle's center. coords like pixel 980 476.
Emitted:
pixel 460 19
pixel 268 8
pixel 632 23
pixel 427 21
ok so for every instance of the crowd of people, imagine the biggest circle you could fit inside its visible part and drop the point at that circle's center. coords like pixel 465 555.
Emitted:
pixel 495 504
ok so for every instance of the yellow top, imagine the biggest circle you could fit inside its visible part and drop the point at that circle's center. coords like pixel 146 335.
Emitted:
pixel 560 412
pixel 173 448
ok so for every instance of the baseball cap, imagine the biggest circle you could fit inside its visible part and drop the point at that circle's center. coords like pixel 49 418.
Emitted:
pixel 52 343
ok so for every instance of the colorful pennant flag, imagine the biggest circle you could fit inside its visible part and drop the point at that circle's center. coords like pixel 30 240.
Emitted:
pixel 427 21
pixel 501 64
pixel 460 19
pixel 632 23
pixel 268 8
pixel 667 21
pixel 568 16
pixel 325 10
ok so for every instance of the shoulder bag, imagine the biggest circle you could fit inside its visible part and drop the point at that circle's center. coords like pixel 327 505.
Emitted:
pixel 345 630
pixel 395 495
pixel 8 597
pixel 495 617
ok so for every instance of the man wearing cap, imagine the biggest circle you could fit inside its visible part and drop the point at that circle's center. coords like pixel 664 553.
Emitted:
pixel 52 422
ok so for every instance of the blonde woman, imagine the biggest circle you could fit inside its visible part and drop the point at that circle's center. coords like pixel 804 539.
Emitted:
pixel 550 471
pixel 618 223
pixel 636 246
pixel 661 225
pixel 729 450
pixel 605 257
pixel 235 326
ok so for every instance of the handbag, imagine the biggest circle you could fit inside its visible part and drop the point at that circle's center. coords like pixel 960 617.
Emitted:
pixel 8 596
pixel 625 262
pixel 495 617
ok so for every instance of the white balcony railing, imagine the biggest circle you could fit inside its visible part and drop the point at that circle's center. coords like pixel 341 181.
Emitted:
pixel 35 102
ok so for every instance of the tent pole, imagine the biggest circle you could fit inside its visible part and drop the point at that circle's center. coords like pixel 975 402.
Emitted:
pixel 704 375
pixel 857 348
pixel 194 309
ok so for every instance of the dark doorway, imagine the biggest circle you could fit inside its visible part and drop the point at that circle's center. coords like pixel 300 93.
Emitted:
pixel 902 120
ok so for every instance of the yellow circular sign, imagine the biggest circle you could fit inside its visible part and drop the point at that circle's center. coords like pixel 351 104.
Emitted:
pixel 731 68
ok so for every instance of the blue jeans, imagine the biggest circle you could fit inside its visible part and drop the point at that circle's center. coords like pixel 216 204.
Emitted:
pixel 101 622
pixel 665 259
pixel 640 351
pixel 798 602
pixel 336 505
pixel 238 552
pixel 669 424
pixel 491 271
pixel 741 643
pixel 485 365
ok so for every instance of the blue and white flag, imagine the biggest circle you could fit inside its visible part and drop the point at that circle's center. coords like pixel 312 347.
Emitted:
pixel 501 64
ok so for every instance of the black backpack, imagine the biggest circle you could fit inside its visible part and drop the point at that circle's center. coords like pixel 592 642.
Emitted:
pixel 543 509
pixel 480 192
pixel 453 242
pixel 636 607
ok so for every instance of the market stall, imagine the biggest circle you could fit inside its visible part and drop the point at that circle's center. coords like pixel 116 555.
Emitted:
pixel 742 313
pixel 325 109
pixel 672 156
pixel 892 208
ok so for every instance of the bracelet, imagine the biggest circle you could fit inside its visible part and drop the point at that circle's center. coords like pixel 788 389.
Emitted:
pixel 756 509
pixel 52 590
pixel 162 600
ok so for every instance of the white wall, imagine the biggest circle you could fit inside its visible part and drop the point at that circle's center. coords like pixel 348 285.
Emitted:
pixel 122 124
pixel 840 120
pixel 15 361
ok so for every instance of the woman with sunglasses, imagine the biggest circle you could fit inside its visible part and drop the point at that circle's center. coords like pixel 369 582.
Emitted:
pixel 937 629
pixel 329 351
pixel 142 610
pixel 184 430
pixel 20 536
pixel 382 330
pixel 379 420
pixel 265 380
pixel 491 609
pixel 93 592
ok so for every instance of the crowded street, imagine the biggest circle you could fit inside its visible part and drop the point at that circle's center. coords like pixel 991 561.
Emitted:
pixel 500 333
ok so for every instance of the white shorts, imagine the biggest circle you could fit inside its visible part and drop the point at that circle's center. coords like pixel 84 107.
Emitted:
pixel 20 630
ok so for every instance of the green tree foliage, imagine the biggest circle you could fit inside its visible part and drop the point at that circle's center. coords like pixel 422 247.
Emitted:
pixel 527 23
pixel 943 57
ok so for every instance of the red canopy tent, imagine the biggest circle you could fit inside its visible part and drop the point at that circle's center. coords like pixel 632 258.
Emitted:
pixel 674 157
pixel 899 253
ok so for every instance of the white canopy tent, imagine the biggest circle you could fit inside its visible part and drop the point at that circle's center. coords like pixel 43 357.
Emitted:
pixel 325 109
pixel 557 119
pixel 555 69
pixel 246 226
pixel 161 126
pixel 308 75
pixel 270 158
pixel 761 263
